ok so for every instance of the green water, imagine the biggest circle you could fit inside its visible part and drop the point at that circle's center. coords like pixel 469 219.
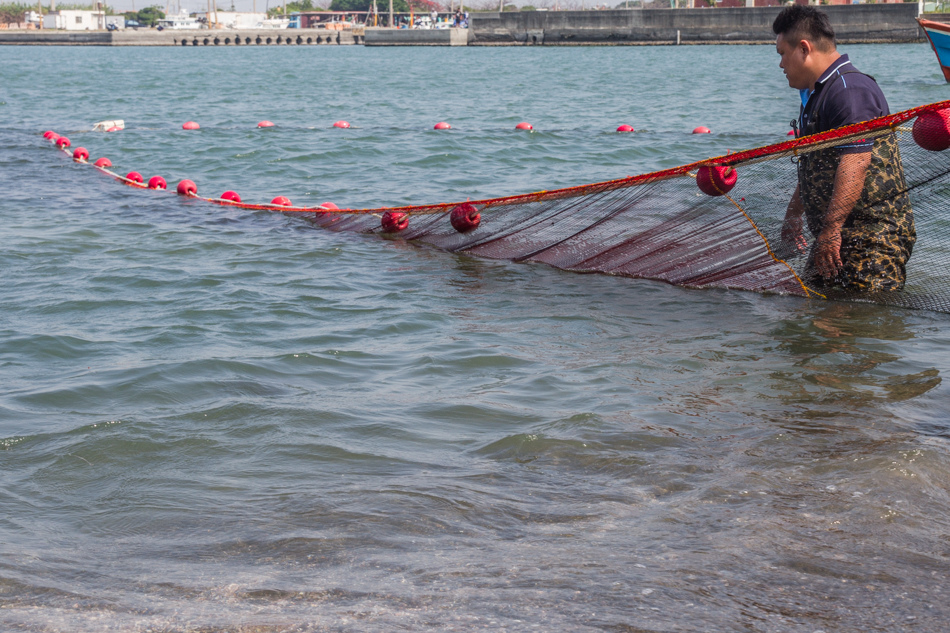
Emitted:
pixel 221 420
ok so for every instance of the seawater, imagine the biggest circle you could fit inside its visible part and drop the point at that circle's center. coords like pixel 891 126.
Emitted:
pixel 221 420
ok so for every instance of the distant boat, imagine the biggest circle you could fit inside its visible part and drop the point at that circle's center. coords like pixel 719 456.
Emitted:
pixel 274 23
pixel 939 35
pixel 182 21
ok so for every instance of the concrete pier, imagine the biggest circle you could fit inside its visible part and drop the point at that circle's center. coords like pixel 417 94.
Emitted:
pixel 861 23
pixel 417 37
pixel 202 37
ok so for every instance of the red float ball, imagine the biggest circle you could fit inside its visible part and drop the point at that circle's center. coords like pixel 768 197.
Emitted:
pixel 53 137
pixel 134 176
pixel 231 195
pixel 115 128
pixel 190 125
pixel 48 133
pixel 791 133
pixel 265 124
pixel 281 201
pixel 103 162
pixel 702 129
pixel 932 130
pixel 63 142
pixel 394 221
pixel 465 218
pixel 625 128
pixel 716 181
pixel 341 124
pixel 524 126
pixel 157 182
pixel 80 154
pixel 329 206
pixel 187 188
pixel 442 125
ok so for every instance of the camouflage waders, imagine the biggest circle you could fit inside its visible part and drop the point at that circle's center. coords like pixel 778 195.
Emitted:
pixel 878 236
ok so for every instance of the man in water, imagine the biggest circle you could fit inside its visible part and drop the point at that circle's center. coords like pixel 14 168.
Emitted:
pixel 853 195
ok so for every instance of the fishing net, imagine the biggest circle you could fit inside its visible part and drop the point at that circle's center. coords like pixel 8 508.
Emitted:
pixel 663 226
pixel 716 223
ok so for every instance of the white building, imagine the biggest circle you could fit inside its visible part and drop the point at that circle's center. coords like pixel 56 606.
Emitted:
pixel 70 20
pixel 233 19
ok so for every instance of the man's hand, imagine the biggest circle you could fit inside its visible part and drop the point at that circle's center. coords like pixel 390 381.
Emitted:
pixel 849 185
pixel 828 252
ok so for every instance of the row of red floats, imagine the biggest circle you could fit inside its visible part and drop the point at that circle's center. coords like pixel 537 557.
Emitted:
pixel 464 217
pixel 441 125
pixel 931 131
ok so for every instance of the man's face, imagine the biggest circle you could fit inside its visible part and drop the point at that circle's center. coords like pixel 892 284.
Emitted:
pixel 793 62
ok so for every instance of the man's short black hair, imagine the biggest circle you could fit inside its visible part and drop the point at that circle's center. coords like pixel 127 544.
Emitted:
pixel 803 22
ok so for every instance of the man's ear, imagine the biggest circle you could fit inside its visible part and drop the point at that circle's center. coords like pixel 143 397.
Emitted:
pixel 806 47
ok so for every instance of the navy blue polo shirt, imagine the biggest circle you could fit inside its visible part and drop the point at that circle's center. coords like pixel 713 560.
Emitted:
pixel 843 96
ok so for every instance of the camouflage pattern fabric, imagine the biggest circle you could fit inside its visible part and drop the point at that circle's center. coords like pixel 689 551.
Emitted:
pixel 879 235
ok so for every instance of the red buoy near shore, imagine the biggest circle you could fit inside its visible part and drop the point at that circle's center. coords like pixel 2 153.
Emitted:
pixel 103 162
pixel 281 201
pixel 265 124
pixel 187 188
pixel 625 128
pixel 63 142
pixel 716 181
pixel 341 124
pixel 465 218
pixel 80 154
pixel 394 221
pixel 190 125
pixel 932 130
pixel 231 195
pixel 157 182
pixel 442 125
pixel 524 125
pixel 702 129
pixel 134 176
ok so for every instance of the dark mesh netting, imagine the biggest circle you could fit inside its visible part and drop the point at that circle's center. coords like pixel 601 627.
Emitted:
pixel 662 226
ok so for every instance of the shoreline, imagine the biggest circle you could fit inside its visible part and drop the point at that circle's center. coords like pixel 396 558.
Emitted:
pixel 855 24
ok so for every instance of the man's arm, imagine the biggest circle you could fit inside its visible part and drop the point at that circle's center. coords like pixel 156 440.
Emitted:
pixel 792 238
pixel 849 185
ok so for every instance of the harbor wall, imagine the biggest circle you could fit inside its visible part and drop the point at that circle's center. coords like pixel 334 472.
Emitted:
pixel 864 23
pixel 417 37
pixel 203 37
pixel 861 23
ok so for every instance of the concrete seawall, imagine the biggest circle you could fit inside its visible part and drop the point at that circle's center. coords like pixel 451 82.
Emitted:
pixel 417 37
pixel 864 23
pixel 150 37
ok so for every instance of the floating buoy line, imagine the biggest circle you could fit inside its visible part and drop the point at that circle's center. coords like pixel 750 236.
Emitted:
pixel 464 217
pixel 714 177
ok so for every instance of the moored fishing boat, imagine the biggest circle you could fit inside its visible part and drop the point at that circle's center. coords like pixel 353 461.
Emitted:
pixel 938 34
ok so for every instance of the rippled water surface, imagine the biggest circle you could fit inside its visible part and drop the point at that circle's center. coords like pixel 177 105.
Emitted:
pixel 221 420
